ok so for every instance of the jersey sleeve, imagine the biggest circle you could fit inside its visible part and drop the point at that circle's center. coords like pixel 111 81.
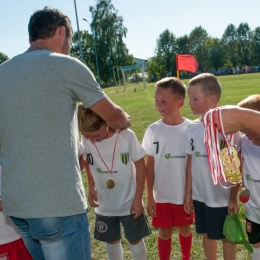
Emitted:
pixel 147 142
pixel 82 149
pixel 237 139
pixel 135 148
pixel 188 141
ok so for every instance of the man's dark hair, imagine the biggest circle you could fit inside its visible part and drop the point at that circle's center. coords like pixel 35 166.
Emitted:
pixel 44 23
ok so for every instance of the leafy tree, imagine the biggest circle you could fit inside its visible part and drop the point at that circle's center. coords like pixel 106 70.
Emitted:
pixel 229 40
pixel 216 54
pixel 256 46
pixel 183 45
pixel 198 38
pixel 244 37
pixel 3 57
pixel 109 32
pixel 165 51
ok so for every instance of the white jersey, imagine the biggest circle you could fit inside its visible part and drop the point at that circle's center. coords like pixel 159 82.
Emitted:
pixel 166 144
pixel 118 200
pixel 203 188
pixel 251 174
pixel 9 232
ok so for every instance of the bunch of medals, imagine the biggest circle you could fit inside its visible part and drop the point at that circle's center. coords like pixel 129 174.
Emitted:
pixel 223 159
pixel 224 164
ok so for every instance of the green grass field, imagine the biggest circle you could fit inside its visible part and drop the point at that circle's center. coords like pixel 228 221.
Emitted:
pixel 139 104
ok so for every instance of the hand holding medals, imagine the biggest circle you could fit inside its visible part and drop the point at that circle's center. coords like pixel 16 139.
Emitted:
pixel 224 164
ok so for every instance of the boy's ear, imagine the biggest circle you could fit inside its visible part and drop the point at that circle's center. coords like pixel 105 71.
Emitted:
pixel 213 99
pixel 181 102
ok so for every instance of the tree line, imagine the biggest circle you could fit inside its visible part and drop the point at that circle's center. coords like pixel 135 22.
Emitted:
pixel 238 46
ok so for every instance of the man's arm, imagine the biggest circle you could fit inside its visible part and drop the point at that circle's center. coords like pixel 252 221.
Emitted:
pixel 235 118
pixel 111 113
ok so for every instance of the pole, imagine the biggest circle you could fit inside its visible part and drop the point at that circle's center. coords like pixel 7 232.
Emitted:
pixel 79 38
pixel 95 50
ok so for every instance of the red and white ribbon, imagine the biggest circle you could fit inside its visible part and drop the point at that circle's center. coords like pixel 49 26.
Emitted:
pixel 212 145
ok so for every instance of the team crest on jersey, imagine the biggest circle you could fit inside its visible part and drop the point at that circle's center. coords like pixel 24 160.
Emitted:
pixel 124 157
pixel 4 256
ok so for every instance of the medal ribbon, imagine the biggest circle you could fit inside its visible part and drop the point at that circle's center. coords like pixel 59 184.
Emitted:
pixel 112 165
pixel 212 146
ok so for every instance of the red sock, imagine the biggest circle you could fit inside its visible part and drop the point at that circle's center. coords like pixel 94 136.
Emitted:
pixel 185 243
pixel 164 248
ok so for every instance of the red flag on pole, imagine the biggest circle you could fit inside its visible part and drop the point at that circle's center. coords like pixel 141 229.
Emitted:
pixel 186 62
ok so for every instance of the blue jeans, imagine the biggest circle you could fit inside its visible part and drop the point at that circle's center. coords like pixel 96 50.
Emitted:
pixel 58 238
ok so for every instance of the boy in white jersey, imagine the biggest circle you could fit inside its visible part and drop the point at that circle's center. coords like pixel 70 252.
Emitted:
pixel 211 202
pixel 166 163
pixel 11 244
pixel 250 150
pixel 116 175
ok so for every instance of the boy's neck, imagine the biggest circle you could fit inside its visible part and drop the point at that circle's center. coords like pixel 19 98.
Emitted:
pixel 174 120
pixel 110 132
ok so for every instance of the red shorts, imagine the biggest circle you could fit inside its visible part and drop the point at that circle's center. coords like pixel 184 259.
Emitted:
pixel 14 250
pixel 171 215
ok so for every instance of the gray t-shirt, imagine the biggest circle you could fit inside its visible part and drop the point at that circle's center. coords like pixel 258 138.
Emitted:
pixel 39 92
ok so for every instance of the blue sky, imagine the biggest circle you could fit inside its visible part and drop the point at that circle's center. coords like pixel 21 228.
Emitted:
pixel 144 19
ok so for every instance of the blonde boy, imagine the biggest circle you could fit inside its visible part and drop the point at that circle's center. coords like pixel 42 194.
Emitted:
pixel 211 202
pixel 116 176
pixel 165 163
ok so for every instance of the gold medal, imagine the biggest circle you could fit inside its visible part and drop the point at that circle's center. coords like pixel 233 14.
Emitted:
pixel 110 184
pixel 231 164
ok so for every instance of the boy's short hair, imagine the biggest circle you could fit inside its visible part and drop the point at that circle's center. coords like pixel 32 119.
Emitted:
pixel 210 85
pixel 44 23
pixel 88 120
pixel 251 102
pixel 176 85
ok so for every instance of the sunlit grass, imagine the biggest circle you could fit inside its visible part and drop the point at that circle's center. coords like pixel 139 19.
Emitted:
pixel 139 103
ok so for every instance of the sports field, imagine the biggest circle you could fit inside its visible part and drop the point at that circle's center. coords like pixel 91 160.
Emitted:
pixel 139 104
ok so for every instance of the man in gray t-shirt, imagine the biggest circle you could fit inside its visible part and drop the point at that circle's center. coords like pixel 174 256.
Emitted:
pixel 42 188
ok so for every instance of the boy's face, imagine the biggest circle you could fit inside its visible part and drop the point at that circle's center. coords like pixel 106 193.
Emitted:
pixel 252 136
pixel 98 135
pixel 166 102
pixel 199 103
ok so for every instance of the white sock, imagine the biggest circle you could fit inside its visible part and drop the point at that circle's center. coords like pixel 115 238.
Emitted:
pixel 256 253
pixel 115 251
pixel 139 251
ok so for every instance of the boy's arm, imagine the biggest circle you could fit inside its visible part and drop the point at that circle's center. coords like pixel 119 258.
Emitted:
pixel 137 205
pixel 151 205
pixel 233 204
pixel 92 194
pixel 82 162
pixel 188 204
